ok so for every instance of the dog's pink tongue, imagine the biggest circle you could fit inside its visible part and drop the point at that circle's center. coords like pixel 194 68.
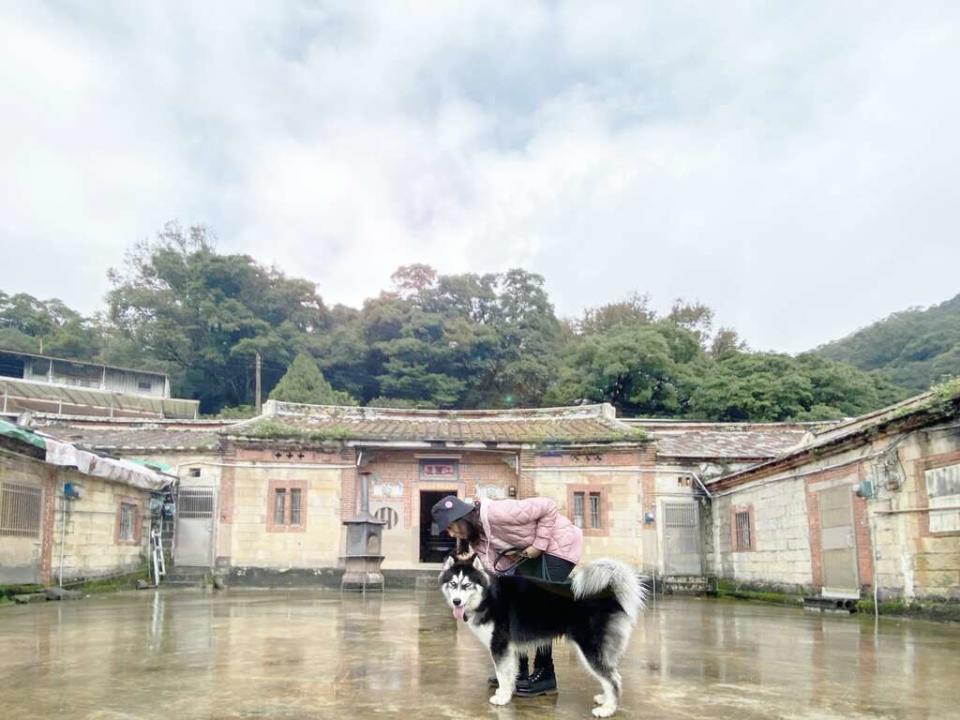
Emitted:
pixel 458 611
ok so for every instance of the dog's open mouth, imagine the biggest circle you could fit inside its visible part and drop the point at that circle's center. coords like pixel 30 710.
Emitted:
pixel 458 611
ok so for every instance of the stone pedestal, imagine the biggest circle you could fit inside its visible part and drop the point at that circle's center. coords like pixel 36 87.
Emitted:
pixel 362 572
pixel 362 559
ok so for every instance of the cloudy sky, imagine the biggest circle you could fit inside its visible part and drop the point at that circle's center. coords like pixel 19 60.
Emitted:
pixel 794 166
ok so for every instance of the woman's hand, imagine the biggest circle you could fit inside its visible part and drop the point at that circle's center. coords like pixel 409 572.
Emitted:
pixel 531 553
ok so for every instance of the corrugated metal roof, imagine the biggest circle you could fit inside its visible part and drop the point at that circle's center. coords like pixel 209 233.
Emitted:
pixel 43 397
pixel 7 351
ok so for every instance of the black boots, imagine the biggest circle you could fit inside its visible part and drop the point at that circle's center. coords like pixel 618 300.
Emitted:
pixel 543 681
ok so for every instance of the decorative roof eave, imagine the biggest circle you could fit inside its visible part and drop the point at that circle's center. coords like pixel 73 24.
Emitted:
pixel 900 418
pixel 713 458
pixel 150 448
pixel 248 440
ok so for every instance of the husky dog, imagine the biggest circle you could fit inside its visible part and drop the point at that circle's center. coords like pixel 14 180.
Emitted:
pixel 511 613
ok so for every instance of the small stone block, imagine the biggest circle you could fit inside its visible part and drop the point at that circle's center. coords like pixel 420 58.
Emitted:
pixel 30 598
pixel 56 593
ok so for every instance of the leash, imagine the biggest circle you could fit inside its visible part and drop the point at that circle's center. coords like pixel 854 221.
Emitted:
pixel 514 554
pixel 543 575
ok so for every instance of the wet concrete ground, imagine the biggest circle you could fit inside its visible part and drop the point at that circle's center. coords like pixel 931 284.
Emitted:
pixel 266 654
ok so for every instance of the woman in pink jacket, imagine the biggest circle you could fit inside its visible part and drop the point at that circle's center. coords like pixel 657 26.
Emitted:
pixel 547 544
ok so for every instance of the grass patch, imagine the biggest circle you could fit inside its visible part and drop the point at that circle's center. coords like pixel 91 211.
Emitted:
pixel 776 596
pixel 8 591
pixel 273 430
pixel 929 610
pixel 127 581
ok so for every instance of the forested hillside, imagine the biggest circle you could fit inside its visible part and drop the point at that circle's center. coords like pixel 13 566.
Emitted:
pixel 915 348
pixel 449 341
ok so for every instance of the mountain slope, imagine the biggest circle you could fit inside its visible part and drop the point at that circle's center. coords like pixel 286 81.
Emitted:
pixel 914 348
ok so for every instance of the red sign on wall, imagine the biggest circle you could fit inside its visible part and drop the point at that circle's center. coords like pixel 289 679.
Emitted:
pixel 439 469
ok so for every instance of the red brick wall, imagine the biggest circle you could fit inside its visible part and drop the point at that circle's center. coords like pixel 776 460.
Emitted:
pixel 51 487
pixel 403 467
pixel 281 454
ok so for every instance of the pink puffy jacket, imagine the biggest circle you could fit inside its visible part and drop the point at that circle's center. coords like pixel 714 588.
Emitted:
pixel 522 523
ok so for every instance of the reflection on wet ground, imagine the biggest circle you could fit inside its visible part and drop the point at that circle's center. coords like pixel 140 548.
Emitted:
pixel 268 654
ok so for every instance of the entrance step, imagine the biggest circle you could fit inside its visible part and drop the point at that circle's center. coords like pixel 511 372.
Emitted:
pixel 187 577
pixel 689 585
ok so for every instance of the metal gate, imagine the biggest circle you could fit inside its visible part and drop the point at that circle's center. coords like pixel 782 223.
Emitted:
pixel 681 539
pixel 20 527
pixel 838 543
pixel 194 537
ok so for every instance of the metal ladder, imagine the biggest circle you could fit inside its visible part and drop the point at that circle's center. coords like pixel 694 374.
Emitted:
pixel 158 566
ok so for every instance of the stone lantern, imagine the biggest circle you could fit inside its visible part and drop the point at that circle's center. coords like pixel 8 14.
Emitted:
pixel 363 555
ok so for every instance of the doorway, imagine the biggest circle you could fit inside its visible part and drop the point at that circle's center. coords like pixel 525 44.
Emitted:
pixel 434 544
pixel 681 539
pixel 194 527
pixel 838 543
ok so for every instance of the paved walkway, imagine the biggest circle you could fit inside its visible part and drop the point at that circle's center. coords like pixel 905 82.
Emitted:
pixel 263 654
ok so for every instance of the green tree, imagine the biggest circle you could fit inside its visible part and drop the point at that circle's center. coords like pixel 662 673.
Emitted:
pixel 773 387
pixel 644 370
pixel 47 326
pixel 203 315
pixel 915 348
pixel 304 383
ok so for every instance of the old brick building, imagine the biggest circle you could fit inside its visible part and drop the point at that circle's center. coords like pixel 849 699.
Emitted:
pixel 66 513
pixel 870 503
pixel 832 508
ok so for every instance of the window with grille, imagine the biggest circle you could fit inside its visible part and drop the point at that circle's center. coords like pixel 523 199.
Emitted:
pixel 286 506
pixel 578 503
pixel 595 510
pixel 128 518
pixel 943 498
pixel 388 516
pixel 295 506
pixel 195 503
pixel 744 533
pixel 20 510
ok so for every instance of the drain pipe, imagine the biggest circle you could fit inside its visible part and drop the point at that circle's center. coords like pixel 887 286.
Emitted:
pixel 876 557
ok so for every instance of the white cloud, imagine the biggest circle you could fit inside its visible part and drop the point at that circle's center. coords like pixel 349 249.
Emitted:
pixel 795 170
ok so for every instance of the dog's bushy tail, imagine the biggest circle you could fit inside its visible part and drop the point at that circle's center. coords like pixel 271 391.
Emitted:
pixel 611 576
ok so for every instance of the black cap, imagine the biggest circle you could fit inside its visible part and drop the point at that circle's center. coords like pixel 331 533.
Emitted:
pixel 449 509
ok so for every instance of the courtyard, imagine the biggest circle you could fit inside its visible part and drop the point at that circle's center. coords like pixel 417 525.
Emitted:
pixel 308 654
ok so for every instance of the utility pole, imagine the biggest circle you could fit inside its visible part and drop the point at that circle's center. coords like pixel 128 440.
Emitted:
pixel 259 403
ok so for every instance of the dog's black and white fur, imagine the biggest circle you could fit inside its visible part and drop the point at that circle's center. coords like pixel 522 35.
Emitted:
pixel 512 614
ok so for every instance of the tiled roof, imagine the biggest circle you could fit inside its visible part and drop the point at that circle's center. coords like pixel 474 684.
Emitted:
pixel 584 424
pixel 723 440
pixel 139 438
pixel 939 405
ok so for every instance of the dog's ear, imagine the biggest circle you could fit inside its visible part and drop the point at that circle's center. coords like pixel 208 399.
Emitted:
pixel 477 565
pixel 447 564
